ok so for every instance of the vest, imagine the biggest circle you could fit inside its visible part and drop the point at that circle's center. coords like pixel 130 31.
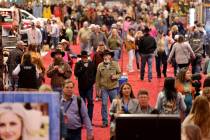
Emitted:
pixel 27 77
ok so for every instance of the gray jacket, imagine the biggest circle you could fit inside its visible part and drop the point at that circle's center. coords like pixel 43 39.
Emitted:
pixel 14 59
pixel 117 105
pixel 95 39
pixel 196 42
pixel 183 53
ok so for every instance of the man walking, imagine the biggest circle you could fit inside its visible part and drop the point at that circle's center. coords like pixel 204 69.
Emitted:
pixel 84 37
pixel 107 76
pixel 74 114
pixel 147 46
pixel 59 70
pixel 55 33
pixel 13 60
pixel 85 72
pixel 34 35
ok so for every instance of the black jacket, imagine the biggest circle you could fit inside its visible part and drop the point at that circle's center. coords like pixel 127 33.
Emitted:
pixel 27 76
pixel 14 59
pixel 86 75
pixel 146 45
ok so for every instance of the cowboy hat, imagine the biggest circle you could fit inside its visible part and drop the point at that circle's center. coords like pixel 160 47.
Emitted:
pixel 108 52
pixel 83 54
pixel 128 17
pixel 63 41
pixel 57 51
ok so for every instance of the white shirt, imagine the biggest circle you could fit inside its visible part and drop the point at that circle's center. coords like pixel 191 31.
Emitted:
pixel 34 36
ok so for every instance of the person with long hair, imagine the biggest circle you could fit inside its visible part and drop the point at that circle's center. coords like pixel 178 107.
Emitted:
pixel 36 59
pixel 206 93
pixel 184 86
pixel 130 48
pixel 161 54
pixel 125 103
pixel 191 132
pixel 16 124
pixel 200 116
pixel 27 74
pixel 182 51
pixel 169 100
pixel 115 44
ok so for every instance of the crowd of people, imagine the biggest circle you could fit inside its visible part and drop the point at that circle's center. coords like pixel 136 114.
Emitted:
pixel 103 34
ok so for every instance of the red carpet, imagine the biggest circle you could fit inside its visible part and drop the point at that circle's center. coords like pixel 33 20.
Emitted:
pixel 154 87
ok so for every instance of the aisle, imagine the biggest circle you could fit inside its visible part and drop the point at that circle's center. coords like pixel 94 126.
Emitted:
pixel 154 87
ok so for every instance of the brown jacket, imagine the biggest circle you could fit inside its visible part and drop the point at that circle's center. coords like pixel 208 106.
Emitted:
pixel 57 79
pixel 103 76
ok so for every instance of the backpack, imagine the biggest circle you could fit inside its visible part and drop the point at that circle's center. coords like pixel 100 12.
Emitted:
pixel 79 104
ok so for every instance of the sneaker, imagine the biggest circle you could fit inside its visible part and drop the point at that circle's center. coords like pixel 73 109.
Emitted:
pixel 150 80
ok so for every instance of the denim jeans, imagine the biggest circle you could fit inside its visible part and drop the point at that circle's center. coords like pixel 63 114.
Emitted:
pixel 161 59
pixel 146 58
pixel 88 94
pixel 13 83
pixel 55 41
pixel 85 47
pixel 116 55
pixel 73 134
pixel 137 55
pixel 196 64
pixel 105 93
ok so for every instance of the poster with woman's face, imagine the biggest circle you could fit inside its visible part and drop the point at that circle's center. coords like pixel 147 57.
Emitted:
pixel 24 121
pixel 29 116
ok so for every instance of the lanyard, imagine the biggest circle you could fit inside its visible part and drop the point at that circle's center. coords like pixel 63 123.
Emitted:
pixel 71 100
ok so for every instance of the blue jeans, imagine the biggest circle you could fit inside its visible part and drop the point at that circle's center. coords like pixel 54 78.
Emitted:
pixel 54 41
pixel 88 94
pixel 85 47
pixel 13 83
pixel 105 93
pixel 116 55
pixel 196 64
pixel 73 134
pixel 137 55
pixel 146 58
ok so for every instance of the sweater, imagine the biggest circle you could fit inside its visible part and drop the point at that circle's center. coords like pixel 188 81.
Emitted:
pixel 183 53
